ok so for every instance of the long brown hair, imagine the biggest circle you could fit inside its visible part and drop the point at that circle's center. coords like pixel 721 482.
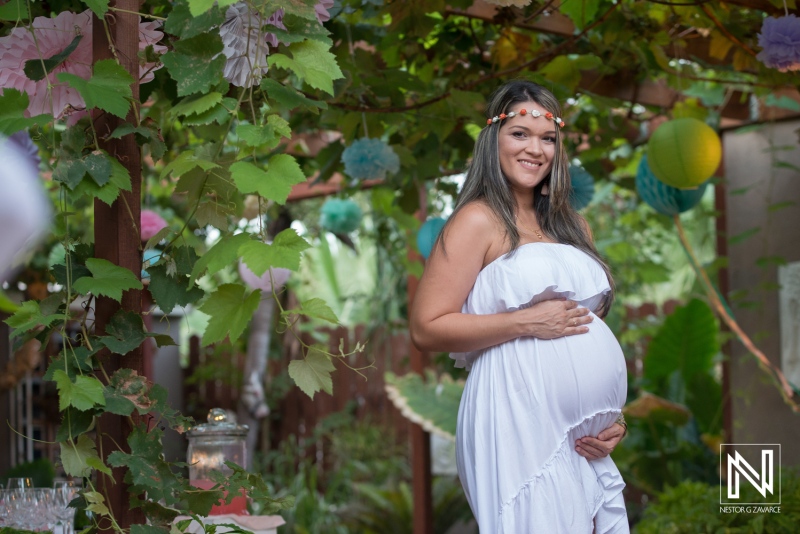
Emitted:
pixel 486 182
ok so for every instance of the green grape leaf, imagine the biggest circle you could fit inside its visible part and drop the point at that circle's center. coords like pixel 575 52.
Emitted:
pixel 96 503
pixel 198 7
pixel 196 63
pixel 201 501
pixel 97 463
pixel 284 252
pixel 173 417
pixel 194 104
pixel 76 361
pixel 14 10
pixel 108 89
pixel 147 469
pixel 313 62
pixel 13 105
pixel 119 180
pixel 185 258
pixel 300 8
pixel 29 316
pixel 299 29
pixel 84 394
pixel 73 423
pixel 182 23
pixel 185 163
pixel 70 172
pixel 125 331
pixel 98 166
pixel 582 12
pixel 34 69
pixel 126 392
pixel 107 279
pixel 222 254
pixel 316 308
pixel 214 213
pixel 313 373
pixel 230 310
pixel 170 291
pixel 274 184
pixel 220 114
pixel 74 456
pixel 98 7
pixel 148 134
pixel 288 98
pixel 159 519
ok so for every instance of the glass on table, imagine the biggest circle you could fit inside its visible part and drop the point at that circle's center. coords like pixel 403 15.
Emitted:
pixel 64 492
pixel 20 483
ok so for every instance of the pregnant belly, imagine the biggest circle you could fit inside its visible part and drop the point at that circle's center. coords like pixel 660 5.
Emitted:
pixel 569 378
pixel 580 375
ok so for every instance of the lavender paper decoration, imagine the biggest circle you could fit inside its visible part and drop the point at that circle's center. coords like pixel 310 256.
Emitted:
pixel 369 159
pixel 780 40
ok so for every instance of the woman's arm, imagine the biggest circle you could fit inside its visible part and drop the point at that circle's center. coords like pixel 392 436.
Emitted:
pixel 436 321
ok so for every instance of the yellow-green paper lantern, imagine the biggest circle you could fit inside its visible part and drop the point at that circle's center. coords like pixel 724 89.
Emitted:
pixel 684 153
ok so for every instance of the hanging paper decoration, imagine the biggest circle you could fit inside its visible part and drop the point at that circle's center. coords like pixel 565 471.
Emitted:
pixel 150 257
pixel 684 152
pixel 278 278
pixel 246 46
pixel 427 234
pixel 369 159
pixel 582 187
pixel 50 37
pixel 663 198
pixel 780 40
pixel 340 216
pixel 151 224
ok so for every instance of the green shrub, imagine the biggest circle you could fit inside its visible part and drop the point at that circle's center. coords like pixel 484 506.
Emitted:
pixel 693 508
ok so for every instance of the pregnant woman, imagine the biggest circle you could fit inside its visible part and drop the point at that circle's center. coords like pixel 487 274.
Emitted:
pixel 515 290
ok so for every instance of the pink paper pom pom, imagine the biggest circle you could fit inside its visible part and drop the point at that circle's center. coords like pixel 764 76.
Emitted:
pixel 152 223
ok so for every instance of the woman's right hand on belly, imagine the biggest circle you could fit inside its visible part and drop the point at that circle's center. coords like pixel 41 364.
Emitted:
pixel 555 318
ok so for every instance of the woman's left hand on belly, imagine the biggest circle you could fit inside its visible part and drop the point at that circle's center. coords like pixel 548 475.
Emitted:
pixel 601 446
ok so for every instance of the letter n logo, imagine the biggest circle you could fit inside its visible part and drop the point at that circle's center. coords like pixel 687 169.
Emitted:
pixel 754 464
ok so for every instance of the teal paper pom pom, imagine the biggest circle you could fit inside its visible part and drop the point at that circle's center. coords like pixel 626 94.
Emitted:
pixel 369 159
pixel 664 198
pixel 340 216
pixel 150 257
pixel 427 234
pixel 582 190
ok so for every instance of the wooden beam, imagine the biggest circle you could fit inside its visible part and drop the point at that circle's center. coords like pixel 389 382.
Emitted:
pixel 117 240
pixel 624 86
pixel 420 440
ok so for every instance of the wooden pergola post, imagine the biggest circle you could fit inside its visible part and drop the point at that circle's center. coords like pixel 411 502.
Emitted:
pixel 117 239
pixel 420 439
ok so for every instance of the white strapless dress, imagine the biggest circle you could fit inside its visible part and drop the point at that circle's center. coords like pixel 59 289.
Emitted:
pixel 526 401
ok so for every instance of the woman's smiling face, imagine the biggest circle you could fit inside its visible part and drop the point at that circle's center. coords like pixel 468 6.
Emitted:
pixel 526 146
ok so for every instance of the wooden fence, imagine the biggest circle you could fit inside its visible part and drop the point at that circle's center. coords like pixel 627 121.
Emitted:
pixel 298 414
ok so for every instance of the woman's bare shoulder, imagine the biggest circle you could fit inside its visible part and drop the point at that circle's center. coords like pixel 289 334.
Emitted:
pixel 475 230
pixel 475 217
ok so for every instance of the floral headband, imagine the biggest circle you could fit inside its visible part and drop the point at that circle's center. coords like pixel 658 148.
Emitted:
pixel 534 113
